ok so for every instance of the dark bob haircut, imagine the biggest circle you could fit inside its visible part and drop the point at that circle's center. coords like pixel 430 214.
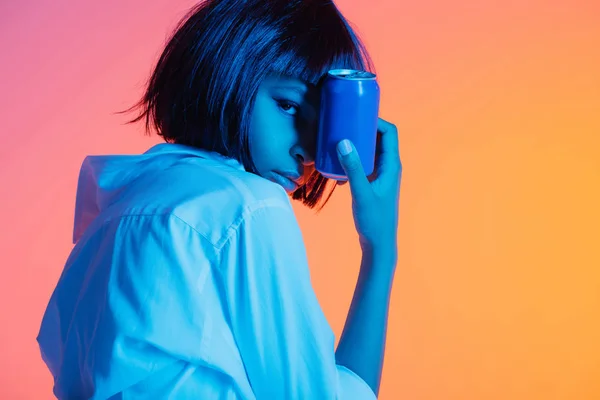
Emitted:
pixel 202 90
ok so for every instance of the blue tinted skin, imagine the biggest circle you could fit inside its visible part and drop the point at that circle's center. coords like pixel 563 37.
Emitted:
pixel 283 136
pixel 375 208
pixel 283 130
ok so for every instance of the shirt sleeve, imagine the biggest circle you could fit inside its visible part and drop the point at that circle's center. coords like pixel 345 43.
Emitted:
pixel 285 341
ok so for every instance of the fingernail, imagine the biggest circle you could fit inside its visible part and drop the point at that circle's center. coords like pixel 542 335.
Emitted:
pixel 344 147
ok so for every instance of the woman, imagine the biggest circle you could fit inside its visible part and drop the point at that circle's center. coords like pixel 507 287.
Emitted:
pixel 189 276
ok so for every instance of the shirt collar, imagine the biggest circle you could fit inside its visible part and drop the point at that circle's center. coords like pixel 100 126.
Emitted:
pixel 173 148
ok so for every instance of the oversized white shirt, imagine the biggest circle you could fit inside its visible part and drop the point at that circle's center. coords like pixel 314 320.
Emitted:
pixel 188 280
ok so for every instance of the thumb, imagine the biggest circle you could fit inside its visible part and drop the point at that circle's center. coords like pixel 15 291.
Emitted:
pixel 350 160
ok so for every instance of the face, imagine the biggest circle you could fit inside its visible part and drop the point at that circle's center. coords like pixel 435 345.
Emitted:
pixel 283 131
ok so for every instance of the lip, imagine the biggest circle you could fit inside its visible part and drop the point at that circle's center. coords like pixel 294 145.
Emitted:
pixel 292 175
pixel 288 184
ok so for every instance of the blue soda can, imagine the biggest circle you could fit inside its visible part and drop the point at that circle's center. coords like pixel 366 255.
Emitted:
pixel 349 110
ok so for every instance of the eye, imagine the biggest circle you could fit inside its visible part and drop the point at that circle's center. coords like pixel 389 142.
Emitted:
pixel 288 107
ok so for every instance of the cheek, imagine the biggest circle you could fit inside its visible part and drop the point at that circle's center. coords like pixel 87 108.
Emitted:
pixel 272 136
pixel 261 148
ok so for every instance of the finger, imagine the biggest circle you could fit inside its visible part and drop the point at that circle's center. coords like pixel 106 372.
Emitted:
pixel 389 159
pixel 350 160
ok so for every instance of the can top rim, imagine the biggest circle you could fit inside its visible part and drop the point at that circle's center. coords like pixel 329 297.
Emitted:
pixel 351 74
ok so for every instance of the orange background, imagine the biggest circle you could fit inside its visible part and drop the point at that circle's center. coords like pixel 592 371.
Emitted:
pixel 497 292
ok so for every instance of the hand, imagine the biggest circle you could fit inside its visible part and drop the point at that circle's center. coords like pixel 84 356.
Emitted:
pixel 375 199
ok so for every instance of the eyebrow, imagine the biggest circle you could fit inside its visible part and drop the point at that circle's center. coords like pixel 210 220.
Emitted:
pixel 298 89
pixel 308 93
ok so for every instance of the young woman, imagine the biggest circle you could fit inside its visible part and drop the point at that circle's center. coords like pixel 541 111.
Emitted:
pixel 189 277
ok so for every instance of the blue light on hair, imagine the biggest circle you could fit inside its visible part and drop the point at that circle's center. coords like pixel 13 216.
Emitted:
pixel 202 90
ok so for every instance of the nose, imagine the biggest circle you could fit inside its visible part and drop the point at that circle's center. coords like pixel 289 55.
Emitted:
pixel 304 156
pixel 306 147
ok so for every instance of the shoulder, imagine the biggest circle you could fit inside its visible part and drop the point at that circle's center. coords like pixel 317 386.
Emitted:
pixel 210 197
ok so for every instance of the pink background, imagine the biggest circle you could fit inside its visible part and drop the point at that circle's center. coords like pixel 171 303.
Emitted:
pixel 497 294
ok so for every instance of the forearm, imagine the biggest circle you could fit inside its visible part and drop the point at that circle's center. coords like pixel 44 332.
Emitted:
pixel 362 344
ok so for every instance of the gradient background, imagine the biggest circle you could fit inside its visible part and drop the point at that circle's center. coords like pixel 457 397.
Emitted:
pixel 497 292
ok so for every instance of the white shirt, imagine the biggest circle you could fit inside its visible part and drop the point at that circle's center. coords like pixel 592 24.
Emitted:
pixel 188 280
